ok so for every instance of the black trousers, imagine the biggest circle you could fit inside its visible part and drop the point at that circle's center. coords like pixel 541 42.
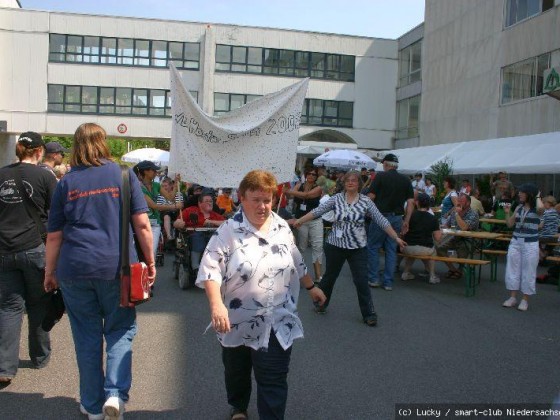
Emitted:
pixel 271 372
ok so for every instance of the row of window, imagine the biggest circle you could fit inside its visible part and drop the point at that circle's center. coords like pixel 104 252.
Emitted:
pixel 408 116
pixel 518 10
pixel 157 103
pixel 314 112
pixel 123 51
pixel 110 100
pixel 231 58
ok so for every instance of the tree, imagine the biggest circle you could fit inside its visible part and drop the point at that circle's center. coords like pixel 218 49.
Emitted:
pixel 438 172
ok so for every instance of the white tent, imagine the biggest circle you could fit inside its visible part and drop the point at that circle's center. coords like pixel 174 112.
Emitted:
pixel 532 154
pixel 319 147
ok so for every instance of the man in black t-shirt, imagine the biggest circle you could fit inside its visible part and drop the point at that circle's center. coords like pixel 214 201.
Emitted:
pixel 424 228
pixel 23 255
pixel 389 191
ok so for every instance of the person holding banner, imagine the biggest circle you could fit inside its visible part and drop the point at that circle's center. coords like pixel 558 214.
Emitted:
pixel 252 272
pixel 347 241
pixel 306 198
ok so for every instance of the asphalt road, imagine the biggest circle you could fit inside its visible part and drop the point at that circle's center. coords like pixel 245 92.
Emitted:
pixel 432 345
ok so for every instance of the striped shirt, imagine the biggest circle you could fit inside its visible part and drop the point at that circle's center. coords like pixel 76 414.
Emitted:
pixel 526 225
pixel 550 222
pixel 164 201
pixel 348 230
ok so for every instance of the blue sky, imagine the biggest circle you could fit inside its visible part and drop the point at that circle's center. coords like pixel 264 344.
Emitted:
pixel 373 18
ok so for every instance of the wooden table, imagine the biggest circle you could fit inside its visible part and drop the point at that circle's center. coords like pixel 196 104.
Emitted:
pixel 473 234
pixel 493 221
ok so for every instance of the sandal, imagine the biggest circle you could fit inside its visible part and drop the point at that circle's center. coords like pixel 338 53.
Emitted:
pixel 454 274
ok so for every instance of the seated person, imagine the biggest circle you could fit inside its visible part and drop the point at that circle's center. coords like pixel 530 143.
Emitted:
pixel 225 202
pixel 169 196
pixel 199 216
pixel 423 229
pixel 461 217
pixel 548 228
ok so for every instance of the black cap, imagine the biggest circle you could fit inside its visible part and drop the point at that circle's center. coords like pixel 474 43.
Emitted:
pixel 31 140
pixel 55 147
pixel 147 164
pixel 390 157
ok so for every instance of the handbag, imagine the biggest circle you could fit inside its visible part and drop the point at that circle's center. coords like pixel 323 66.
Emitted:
pixel 135 285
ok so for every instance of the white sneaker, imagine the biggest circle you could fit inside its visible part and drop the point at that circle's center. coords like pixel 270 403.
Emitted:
pixel 99 416
pixel 434 279
pixel 510 303
pixel 407 276
pixel 113 408
pixel 523 305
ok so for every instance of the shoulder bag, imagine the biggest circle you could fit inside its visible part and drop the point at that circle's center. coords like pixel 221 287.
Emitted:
pixel 135 285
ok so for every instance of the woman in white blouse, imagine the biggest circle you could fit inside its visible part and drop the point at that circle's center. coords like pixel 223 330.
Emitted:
pixel 252 271
pixel 347 241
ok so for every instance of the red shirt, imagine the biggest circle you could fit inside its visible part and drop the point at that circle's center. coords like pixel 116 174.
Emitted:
pixel 201 219
pixel 281 188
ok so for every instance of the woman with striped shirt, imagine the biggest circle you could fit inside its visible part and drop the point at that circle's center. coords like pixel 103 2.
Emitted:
pixel 523 251
pixel 347 241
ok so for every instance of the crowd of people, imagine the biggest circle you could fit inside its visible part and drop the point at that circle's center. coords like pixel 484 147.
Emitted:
pixel 252 268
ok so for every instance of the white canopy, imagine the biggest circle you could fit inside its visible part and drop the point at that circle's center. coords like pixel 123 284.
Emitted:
pixel 319 147
pixel 158 156
pixel 532 154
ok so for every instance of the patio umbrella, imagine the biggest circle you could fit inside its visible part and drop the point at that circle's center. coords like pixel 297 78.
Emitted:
pixel 158 156
pixel 345 159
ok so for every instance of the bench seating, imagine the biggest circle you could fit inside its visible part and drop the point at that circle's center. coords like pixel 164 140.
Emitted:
pixel 493 255
pixel 469 266
pixel 556 260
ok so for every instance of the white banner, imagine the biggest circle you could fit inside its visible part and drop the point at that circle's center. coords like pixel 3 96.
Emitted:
pixel 219 151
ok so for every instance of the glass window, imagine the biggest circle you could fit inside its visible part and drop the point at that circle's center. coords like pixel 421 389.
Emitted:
pixel 56 98
pixel 524 79
pixel 518 10
pixel 74 48
pixel 91 49
pixel 410 64
pixel 176 53
pixel 347 67
pixel 159 54
pixel 123 101
pixel 302 64
pixel 223 57
pixel 239 59
pixel 408 115
pixel 270 61
pixel 72 98
pixel 236 101
pixel 254 60
pixel 107 100
pixel 109 50
pixel 315 112
pixel 140 102
pixel 157 102
pixel 192 55
pixel 57 47
pixel 286 62
pixel 125 51
pixel 318 65
pixel 333 66
pixel 221 103
pixel 141 53
pixel 251 98
pixel 89 99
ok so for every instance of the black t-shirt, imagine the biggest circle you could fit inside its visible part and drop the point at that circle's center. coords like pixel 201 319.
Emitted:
pixel 391 191
pixel 18 231
pixel 422 225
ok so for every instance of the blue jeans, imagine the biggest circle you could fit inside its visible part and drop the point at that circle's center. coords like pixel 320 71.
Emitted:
pixel 94 312
pixel 377 238
pixel 335 258
pixel 271 373
pixel 21 283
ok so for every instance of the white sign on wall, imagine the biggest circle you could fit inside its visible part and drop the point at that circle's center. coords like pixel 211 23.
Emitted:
pixel 219 151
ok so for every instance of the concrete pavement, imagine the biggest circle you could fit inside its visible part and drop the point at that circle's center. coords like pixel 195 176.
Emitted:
pixel 432 345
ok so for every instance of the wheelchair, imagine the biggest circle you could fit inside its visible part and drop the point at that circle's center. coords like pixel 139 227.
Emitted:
pixel 182 266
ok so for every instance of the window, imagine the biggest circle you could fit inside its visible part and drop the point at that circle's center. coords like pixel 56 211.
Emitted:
pixel 225 102
pixel 123 51
pixel 327 113
pixel 524 79
pixel 518 10
pixel 408 115
pixel 110 100
pixel 284 62
pixel 410 64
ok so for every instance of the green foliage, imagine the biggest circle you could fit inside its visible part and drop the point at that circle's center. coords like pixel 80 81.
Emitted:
pixel 483 185
pixel 438 172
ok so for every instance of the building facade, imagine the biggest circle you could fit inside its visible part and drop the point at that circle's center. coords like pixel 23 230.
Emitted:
pixel 61 69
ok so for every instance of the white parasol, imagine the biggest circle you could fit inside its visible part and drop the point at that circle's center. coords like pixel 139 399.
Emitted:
pixel 158 156
pixel 345 159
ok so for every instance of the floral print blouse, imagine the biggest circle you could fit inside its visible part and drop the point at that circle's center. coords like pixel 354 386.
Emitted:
pixel 259 276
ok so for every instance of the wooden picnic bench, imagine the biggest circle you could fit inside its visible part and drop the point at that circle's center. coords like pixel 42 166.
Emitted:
pixel 493 255
pixel 469 266
pixel 556 260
